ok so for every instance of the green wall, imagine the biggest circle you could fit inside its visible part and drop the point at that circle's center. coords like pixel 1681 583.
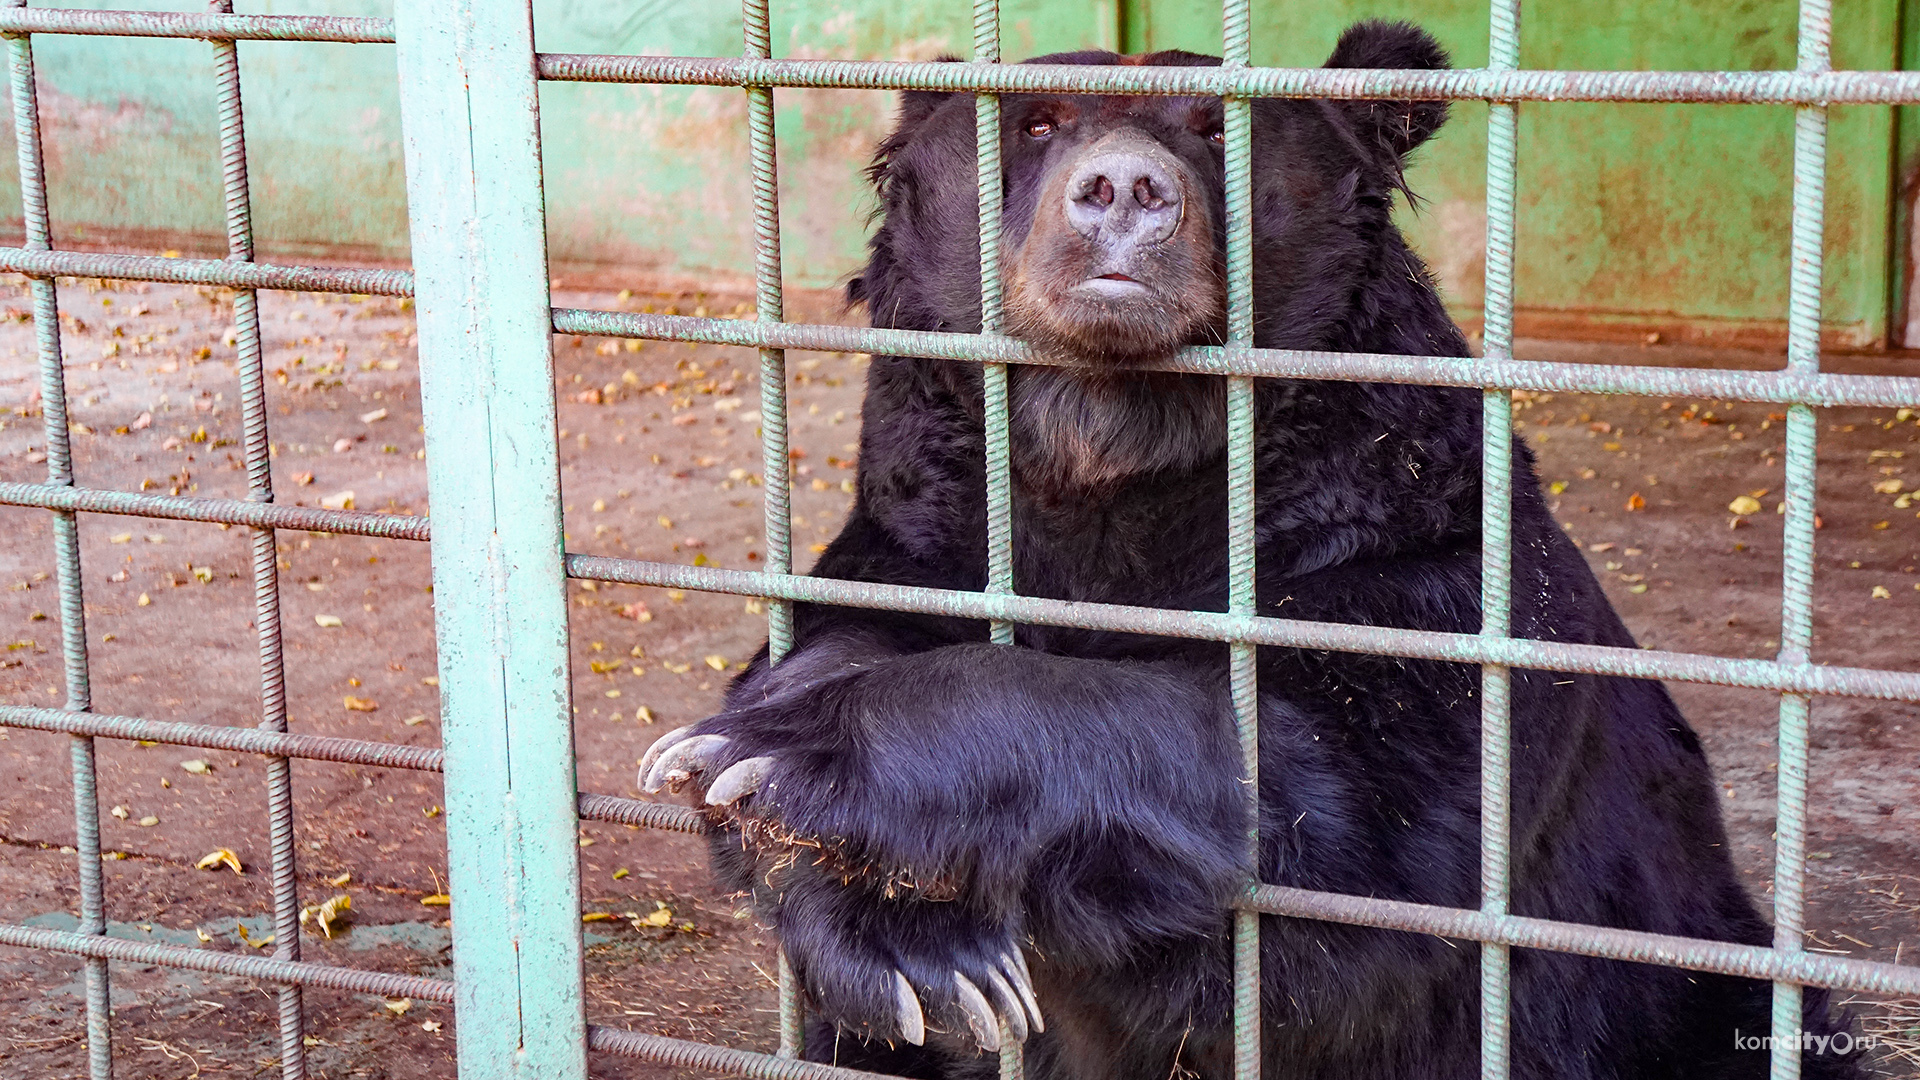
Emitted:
pixel 1669 217
pixel 643 177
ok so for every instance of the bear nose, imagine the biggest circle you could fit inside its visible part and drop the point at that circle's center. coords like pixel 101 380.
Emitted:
pixel 1123 199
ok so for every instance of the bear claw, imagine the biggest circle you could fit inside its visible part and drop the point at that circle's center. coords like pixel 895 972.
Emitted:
pixel 980 1016
pixel 681 759
pixel 742 778
pixel 1015 967
pixel 911 1021
pixel 1009 1005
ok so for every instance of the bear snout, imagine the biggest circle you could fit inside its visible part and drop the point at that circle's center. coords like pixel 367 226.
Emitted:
pixel 1126 196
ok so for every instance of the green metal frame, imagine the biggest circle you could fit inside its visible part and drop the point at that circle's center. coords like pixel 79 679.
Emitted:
pixel 468 83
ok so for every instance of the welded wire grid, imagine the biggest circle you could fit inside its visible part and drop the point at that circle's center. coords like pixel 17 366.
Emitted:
pixel 1811 87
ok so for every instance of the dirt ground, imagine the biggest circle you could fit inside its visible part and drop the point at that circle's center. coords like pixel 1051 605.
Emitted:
pixel 659 461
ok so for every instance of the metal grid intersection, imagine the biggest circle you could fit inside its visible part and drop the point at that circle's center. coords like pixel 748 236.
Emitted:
pixel 477 38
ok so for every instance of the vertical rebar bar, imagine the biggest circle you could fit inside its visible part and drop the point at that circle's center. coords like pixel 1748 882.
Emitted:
pixel 757 35
pixel 266 572
pixel 994 390
pixel 1496 550
pixel 66 546
pixel 1242 658
pixel 1796 592
pixel 993 379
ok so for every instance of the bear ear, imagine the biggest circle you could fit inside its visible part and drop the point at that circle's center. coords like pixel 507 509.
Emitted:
pixel 915 107
pixel 1395 126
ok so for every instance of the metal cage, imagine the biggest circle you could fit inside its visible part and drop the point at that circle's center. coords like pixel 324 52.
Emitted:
pixel 468 87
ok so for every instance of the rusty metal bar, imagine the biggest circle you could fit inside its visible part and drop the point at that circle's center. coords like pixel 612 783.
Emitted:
pixel 1463 924
pixel 1282 633
pixel 240 740
pixel 266 570
pixel 700 1057
pixel 994 387
pixel 302 973
pixel 1243 669
pixel 647 815
pixel 1458 84
pixel 777 483
pixel 1519 931
pixel 1797 540
pixel 1778 387
pixel 217 511
pixel 214 27
pixel 66 542
pixel 1496 551
pixel 221 272
pixel 1825 390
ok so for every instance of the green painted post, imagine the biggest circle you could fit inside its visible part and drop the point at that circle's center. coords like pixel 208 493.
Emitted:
pixel 469 110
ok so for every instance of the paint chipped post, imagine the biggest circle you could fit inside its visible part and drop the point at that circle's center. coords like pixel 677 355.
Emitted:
pixel 469 105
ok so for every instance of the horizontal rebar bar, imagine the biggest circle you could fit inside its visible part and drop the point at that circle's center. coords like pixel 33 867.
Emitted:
pixel 217 511
pixel 1280 633
pixel 705 1057
pixel 1462 648
pixel 245 740
pixel 1775 387
pixel 1480 84
pixel 187 25
pixel 1749 961
pixel 222 272
pixel 1550 376
pixel 1471 84
pixel 647 815
pixel 303 973
pixel 248 740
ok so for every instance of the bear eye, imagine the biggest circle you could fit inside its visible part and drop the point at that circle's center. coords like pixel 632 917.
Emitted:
pixel 1040 129
pixel 1218 136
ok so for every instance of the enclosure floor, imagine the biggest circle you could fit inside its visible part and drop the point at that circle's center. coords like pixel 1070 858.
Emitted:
pixel 663 465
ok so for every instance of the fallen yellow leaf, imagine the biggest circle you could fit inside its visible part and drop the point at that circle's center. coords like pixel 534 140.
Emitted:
pixel 197 766
pixel 148 822
pixel 328 914
pixel 438 899
pixel 399 1006
pixel 659 917
pixel 1745 504
pixel 360 704
pixel 213 860
pixel 339 500
pixel 595 916
pixel 1880 592
pixel 1890 486
pixel 328 621
pixel 717 662
pixel 1634 502
pixel 144 600
pixel 339 881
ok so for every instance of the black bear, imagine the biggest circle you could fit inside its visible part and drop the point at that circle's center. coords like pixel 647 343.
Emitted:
pixel 948 833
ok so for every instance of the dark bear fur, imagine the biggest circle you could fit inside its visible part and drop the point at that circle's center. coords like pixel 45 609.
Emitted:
pixel 934 800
